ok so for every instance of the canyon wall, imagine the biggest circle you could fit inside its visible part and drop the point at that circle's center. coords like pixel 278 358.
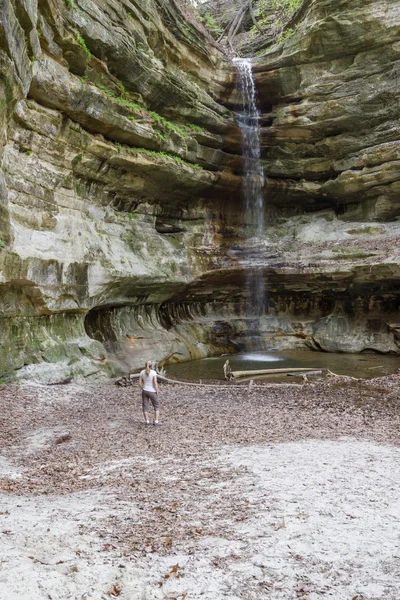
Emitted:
pixel 121 233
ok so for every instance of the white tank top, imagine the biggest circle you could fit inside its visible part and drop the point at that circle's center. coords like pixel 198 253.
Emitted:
pixel 148 385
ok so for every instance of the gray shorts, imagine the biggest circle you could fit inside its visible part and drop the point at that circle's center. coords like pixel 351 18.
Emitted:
pixel 146 396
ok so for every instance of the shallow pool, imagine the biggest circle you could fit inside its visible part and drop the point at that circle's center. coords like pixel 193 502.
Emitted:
pixel 356 365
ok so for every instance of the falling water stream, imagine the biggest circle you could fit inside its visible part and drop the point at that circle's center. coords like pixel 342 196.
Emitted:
pixel 248 118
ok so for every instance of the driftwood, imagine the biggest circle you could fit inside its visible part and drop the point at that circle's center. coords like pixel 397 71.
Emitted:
pixel 332 374
pixel 318 373
pixel 240 374
pixel 130 380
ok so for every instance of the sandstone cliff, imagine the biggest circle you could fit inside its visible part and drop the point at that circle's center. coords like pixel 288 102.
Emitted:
pixel 120 213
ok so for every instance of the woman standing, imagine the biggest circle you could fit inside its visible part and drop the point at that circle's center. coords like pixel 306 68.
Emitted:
pixel 149 384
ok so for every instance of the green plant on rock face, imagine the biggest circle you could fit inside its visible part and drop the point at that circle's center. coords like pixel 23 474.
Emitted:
pixel 162 120
pixel 196 127
pixel 82 44
pixel 123 101
pixel 69 3
pixel 2 244
pixel 106 90
pixel 211 24
pixel 286 34
pixel 161 136
pixel 162 155
pixel 122 89
pixel 132 105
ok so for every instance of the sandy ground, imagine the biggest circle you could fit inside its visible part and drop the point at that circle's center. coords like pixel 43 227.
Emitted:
pixel 285 492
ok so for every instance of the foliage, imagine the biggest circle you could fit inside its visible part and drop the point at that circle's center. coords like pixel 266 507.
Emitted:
pixel 162 120
pixel 196 127
pixel 211 24
pixel 135 106
pixel 129 104
pixel 82 44
pixel 122 89
pixel 163 155
pixel 276 13
pixel 289 5
pixel 69 3
pixel 286 34
pixel 123 101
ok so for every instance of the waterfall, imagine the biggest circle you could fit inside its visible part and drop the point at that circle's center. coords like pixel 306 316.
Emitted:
pixel 253 177
pixel 253 174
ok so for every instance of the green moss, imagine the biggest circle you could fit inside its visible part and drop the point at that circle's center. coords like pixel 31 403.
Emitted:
pixel 129 104
pixel 171 126
pixel 163 155
pixel 69 3
pixel 106 90
pixel 349 254
pixel 82 44
pixel 286 34
pixel 370 230
pixel 196 127
pixel 160 135
pixel 122 89
pixel 2 244
pixel 124 101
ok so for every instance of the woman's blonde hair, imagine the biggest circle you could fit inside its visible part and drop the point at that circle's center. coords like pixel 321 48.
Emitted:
pixel 149 364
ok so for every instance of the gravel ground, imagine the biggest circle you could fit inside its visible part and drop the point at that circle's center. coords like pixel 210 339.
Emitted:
pixel 280 492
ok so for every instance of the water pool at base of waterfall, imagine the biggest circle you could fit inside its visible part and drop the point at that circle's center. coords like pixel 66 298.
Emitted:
pixel 365 366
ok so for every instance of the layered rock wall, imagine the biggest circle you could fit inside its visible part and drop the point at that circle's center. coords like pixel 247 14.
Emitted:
pixel 331 141
pixel 121 217
pixel 104 167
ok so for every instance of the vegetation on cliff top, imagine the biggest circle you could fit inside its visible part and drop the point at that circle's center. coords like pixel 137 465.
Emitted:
pixel 248 20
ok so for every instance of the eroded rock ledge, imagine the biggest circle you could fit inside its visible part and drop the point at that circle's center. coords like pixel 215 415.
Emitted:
pixel 120 214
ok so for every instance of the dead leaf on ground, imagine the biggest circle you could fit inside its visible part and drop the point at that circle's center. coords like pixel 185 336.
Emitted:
pixel 115 591
pixel 175 572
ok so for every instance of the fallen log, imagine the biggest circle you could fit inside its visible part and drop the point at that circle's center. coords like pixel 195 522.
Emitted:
pixel 129 380
pixel 239 374
pixel 318 373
